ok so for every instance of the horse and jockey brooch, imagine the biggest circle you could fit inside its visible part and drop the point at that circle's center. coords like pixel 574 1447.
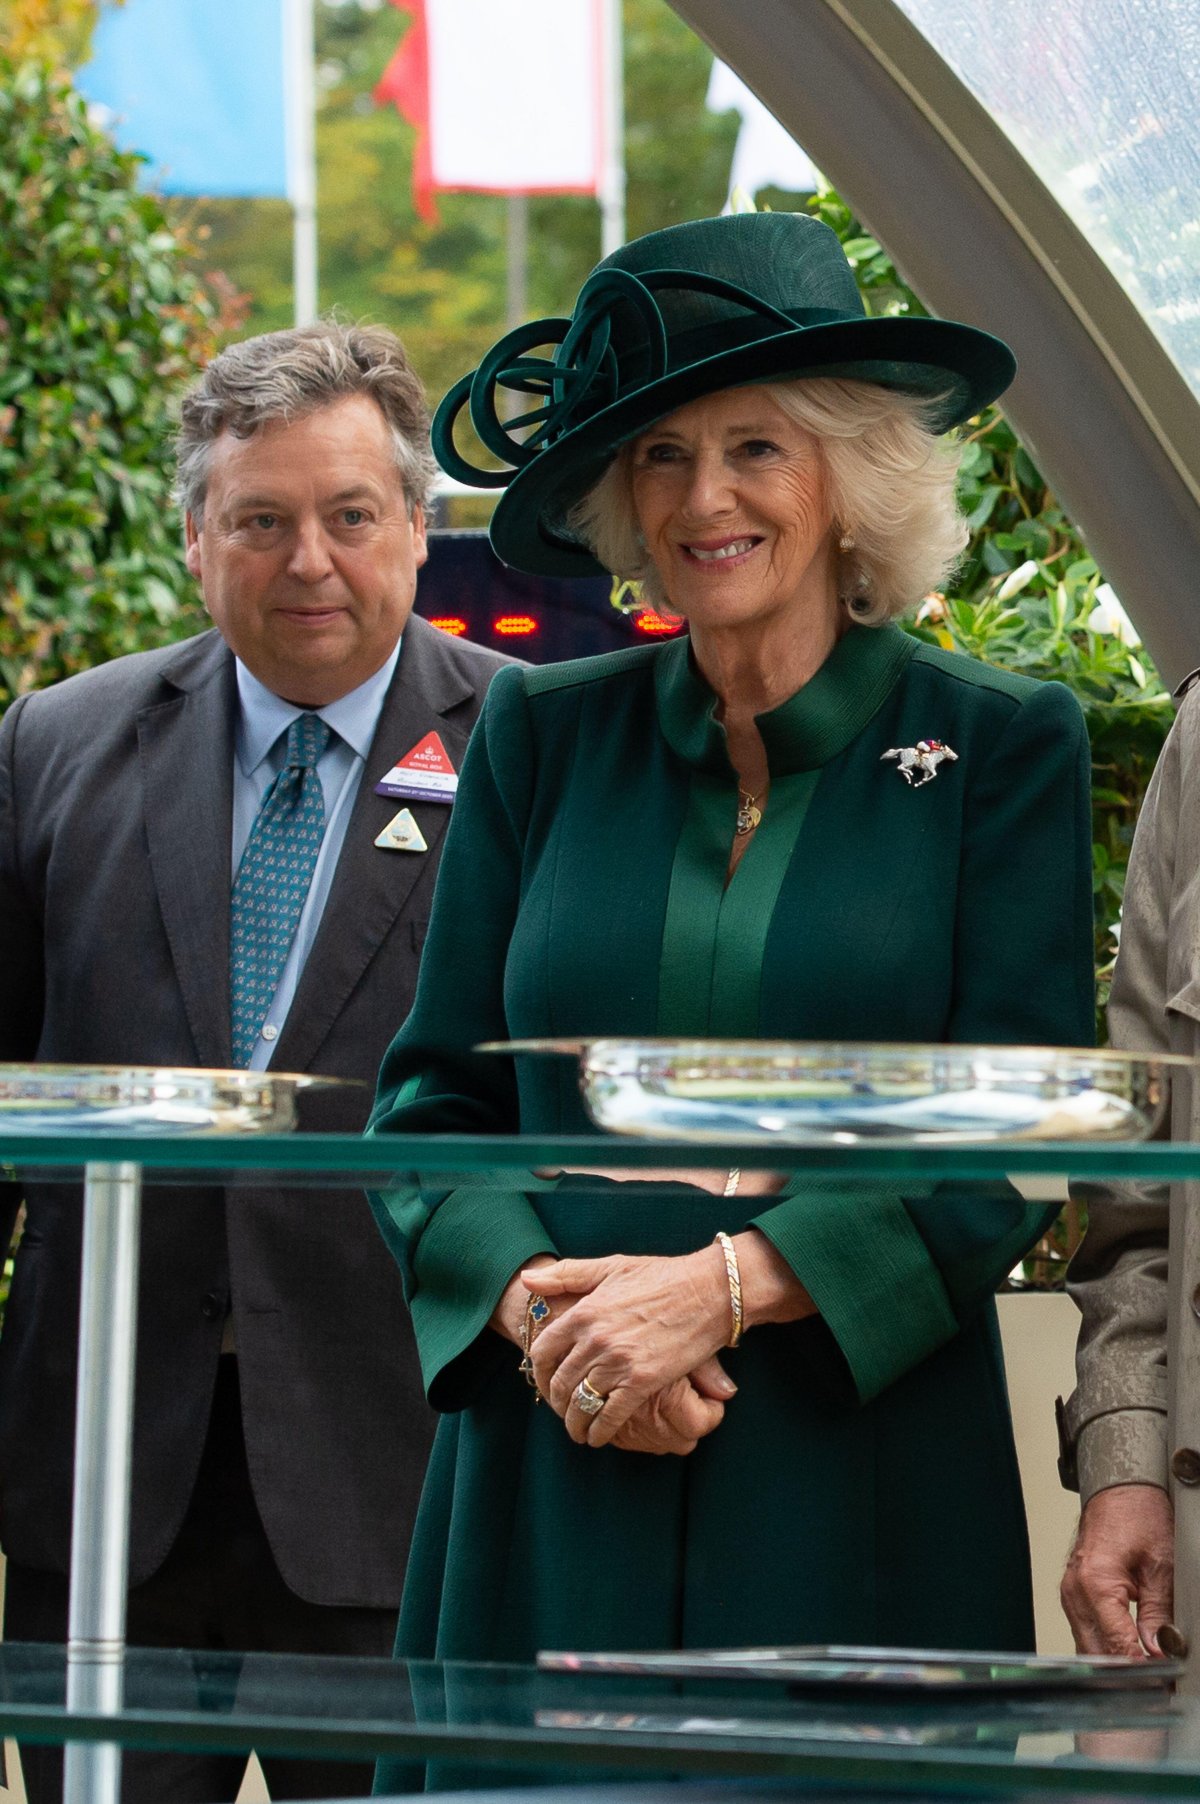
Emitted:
pixel 918 764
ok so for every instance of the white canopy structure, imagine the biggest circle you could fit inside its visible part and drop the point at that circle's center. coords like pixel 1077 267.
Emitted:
pixel 1033 167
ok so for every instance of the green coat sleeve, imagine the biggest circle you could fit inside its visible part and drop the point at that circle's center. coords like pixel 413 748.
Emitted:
pixel 895 1274
pixel 458 1248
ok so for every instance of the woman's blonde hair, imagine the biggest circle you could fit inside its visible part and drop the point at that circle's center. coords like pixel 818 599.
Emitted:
pixel 891 490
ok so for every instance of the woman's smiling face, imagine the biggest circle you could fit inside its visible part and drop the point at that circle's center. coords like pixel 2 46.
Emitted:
pixel 730 497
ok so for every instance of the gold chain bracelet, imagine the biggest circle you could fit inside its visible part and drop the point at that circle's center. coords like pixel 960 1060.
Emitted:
pixel 537 1313
pixel 734 1275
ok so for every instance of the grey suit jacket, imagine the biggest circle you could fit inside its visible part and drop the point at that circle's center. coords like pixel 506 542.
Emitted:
pixel 115 824
pixel 1115 1428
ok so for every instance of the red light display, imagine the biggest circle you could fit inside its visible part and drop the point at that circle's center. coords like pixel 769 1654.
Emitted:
pixel 650 622
pixel 515 626
pixel 449 623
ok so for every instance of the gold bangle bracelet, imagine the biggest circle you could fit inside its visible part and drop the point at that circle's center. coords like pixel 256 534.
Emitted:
pixel 734 1275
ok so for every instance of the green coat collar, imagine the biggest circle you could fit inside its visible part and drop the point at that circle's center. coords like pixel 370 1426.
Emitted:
pixel 805 731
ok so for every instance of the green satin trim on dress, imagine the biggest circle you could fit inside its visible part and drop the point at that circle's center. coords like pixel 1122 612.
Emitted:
pixel 689 938
pixel 714 934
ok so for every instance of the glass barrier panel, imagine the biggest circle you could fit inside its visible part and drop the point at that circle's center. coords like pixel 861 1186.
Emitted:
pixel 571 1724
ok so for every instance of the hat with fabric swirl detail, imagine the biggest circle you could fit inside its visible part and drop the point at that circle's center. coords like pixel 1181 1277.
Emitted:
pixel 713 304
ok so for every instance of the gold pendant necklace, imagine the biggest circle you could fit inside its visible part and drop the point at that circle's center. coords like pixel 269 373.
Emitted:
pixel 748 816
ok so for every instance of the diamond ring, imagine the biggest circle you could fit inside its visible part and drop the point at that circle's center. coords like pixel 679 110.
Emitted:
pixel 587 1401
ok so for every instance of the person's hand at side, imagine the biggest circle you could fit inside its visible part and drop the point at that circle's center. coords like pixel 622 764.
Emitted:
pixel 1123 1556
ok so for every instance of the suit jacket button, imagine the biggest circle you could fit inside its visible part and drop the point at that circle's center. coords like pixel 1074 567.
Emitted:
pixel 212 1308
pixel 1185 1464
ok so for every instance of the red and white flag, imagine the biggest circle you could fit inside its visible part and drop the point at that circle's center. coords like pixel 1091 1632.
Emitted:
pixel 507 96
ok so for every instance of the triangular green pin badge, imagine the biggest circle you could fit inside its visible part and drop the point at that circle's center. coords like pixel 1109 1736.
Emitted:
pixel 402 834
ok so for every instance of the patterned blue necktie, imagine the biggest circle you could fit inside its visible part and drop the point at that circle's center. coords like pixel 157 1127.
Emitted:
pixel 272 881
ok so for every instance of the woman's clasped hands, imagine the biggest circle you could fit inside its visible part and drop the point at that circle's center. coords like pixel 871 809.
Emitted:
pixel 640 1335
pixel 643 1332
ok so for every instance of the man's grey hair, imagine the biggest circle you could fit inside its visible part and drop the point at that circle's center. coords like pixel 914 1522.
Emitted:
pixel 285 375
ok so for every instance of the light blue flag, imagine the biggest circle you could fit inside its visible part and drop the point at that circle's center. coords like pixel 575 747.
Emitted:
pixel 198 87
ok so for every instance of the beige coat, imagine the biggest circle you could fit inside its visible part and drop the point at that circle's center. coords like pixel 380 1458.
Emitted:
pixel 1141 1323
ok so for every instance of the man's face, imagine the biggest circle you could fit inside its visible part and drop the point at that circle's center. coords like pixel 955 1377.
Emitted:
pixel 308 555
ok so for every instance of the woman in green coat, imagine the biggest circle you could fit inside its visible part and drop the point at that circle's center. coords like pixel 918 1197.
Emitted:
pixel 795 821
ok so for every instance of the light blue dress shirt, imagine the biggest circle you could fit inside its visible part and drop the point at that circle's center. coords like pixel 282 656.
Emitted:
pixel 260 740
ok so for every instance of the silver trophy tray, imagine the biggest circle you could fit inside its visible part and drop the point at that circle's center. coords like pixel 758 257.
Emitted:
pixel 137 1099
pixel 802 1093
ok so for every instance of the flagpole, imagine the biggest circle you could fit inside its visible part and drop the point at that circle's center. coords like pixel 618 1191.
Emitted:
pixel 517 287
pixel 300 92
pixel 612 184
pixel 516 306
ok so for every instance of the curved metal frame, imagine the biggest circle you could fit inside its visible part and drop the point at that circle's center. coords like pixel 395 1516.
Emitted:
pixel 1104 410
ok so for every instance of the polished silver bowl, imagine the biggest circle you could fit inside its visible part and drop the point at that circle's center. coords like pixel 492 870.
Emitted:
pixel 137 1099
pixel 812 1093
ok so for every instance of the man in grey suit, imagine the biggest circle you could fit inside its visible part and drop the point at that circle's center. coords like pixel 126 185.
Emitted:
pixel 280 1428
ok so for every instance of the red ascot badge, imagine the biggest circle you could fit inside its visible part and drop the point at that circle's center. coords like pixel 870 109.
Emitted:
pixel 423 775
pixel 918 764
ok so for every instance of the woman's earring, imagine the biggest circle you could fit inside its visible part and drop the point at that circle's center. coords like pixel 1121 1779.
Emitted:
pixel 846 542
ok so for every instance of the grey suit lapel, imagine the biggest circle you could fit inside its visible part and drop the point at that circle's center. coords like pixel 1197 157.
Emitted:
pixel 371 887
pixel 185 745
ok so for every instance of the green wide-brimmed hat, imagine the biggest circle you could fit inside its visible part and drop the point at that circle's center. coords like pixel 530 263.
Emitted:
pixel 716 303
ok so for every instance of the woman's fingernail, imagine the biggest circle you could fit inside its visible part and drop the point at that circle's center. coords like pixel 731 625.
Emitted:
pixel 727 1387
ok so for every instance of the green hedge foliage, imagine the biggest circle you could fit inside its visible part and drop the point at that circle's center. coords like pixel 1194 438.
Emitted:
pixel 102 325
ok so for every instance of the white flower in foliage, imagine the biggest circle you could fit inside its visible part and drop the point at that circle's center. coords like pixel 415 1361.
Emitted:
pixel 1017 579
pixel 1108 616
